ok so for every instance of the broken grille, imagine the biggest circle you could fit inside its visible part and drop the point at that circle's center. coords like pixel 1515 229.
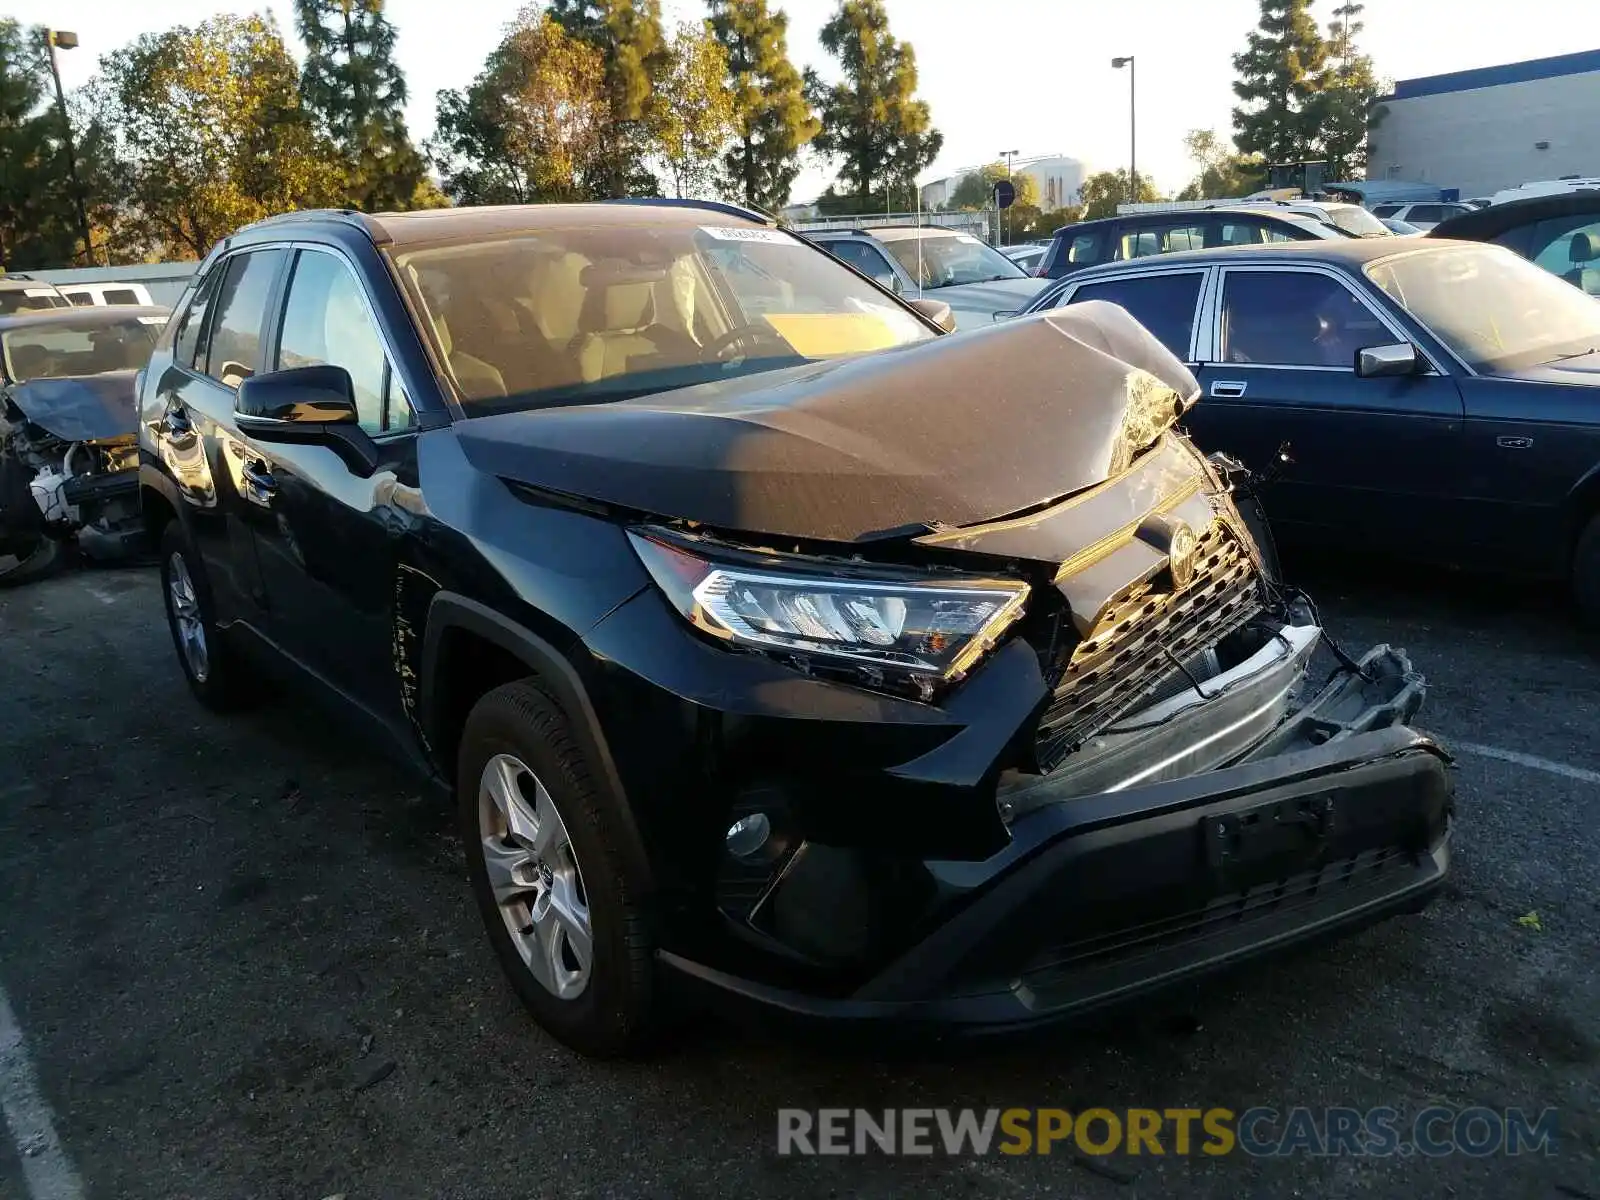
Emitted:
pixel 1143 635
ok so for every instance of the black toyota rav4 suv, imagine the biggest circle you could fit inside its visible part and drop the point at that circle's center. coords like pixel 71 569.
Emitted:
pixel 771 643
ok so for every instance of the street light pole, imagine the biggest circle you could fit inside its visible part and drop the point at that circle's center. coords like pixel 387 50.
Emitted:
pixel 69 41
pixel 1008 155
pixel 1133 141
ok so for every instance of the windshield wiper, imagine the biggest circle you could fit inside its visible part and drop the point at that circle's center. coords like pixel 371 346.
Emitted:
pixel 1576 354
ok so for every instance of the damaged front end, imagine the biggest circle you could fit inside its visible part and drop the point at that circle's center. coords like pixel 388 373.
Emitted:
pixel 1180 796
pixel 1136 779
pixel 68 472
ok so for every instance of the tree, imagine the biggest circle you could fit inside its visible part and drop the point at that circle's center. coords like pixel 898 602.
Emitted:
pixel 627 33
pixel 975 190
pixel 38 213
pixel 209 133
pixel 872 120
pixel 1104 190
pixel 1223 172
pixel 1343 109
pixel 1280 73
pixel 691 114
pixel 772 120
pixel 353 87
pixel 531 127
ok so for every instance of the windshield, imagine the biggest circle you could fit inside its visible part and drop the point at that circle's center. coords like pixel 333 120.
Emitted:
pixel 92 347
pixel 1496 311
pixel 590 314
pixel 1355 220
pixel 947 260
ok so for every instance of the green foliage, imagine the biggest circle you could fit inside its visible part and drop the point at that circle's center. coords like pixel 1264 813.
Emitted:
pixel 627 33
pixel 1223 173
pixel 208 133
pixel 1343 109
pixel 532 126
pixel 691 113
pixel 354 88
pixel 872 121
pixel 771 117
pixel 38 216
pixel 1104 190
pixel 975 190
pixel 1281 71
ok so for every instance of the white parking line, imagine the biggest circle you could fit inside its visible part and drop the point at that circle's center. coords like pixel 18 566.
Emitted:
pixel 46 1169
pixel 1583 774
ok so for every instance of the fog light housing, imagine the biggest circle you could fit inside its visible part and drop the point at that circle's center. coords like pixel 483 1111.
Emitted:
pixel 747 837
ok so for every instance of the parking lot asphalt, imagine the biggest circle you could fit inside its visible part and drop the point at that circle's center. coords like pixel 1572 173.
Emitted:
pixel 243 961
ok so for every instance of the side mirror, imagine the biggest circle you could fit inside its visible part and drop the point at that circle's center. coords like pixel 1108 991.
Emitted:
pixel 306 406
pixel 1373 362
pixel 938 312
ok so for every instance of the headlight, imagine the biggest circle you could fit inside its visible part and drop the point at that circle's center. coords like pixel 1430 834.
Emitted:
pixel 878 619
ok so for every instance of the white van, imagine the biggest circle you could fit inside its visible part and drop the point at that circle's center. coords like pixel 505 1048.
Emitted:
pixel 100 294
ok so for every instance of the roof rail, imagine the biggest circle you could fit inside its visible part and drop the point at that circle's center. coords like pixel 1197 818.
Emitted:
pixel 348 215
pixel 718 206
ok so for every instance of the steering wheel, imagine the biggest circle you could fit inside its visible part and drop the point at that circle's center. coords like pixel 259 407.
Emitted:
pixel 748 336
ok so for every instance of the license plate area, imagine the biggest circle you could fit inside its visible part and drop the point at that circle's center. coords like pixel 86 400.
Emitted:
pixel 1289 833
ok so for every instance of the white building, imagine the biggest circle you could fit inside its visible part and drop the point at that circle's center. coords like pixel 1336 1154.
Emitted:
pixel 1494 127
pixel 1059 178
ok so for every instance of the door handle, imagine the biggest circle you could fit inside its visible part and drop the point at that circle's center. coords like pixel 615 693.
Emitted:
pixel 1228 388
pixel 1514 443
pixel 259 485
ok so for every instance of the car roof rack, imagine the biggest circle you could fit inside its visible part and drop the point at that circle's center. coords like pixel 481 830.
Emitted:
pixel 724 207
pixel 348 216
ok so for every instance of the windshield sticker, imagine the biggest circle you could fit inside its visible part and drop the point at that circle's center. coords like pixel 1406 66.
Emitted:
pixel 828 335
pixel 744 233
pixel 152 320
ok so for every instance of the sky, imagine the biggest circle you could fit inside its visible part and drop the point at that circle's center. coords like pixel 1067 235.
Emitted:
pixel 1028 75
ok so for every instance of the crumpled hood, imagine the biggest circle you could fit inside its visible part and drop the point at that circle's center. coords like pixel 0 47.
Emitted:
pixel 943 433
pixel 80 408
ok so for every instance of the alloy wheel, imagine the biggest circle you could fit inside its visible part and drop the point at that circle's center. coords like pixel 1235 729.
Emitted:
pixel 183 606
pixel 534 875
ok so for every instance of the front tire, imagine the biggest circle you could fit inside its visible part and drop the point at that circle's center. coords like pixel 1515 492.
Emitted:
pixel 564 916
pixel 207 659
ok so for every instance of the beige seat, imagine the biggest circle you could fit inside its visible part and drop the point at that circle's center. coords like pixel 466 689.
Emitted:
pixel 620 329
pixel 477 379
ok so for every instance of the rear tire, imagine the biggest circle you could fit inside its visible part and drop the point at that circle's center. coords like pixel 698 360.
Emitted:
pixel 208 660
pixel 28 563
pixel 562 910
pixel 1586 572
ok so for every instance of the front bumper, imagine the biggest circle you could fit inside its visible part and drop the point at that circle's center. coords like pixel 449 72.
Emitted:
pixel 1124 892
pixel 1202 832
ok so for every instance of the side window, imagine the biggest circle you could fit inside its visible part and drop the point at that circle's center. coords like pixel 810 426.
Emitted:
pixel 1426 214
pixel 1163 304
pixel 121 296
pixel 863 258
pixel 1239 233
pixel 1294 319
pixel 325 320
pixel 235 340
pixel 193 321
pixel 1569 247
pixel 1139 243
pixel 1386 210
pixel 1087 248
